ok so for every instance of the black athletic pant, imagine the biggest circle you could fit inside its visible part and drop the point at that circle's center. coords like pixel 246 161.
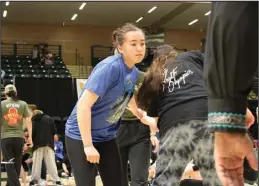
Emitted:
pixel 191 182
pixel 135 147
pixel 24 164
pixel 13 148
pixel 85 172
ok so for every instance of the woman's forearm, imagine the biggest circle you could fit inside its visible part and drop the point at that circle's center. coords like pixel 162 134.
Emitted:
pixel 84 123
pixel 151 122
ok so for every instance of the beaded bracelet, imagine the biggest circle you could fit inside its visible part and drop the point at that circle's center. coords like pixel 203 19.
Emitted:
pixel 226 122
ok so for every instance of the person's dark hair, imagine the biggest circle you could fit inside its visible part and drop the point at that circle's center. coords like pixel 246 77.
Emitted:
pixel 13 95
pixel 119 33
pixel 153 81
pixel 162 50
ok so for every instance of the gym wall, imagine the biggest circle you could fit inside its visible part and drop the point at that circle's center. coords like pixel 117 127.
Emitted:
pixel 83 37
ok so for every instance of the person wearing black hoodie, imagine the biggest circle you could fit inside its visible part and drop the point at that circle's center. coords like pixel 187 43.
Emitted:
pixel 230 63
pixel 43 131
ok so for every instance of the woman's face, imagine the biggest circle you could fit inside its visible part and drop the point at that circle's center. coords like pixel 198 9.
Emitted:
pixel 56 138
pixel 133 48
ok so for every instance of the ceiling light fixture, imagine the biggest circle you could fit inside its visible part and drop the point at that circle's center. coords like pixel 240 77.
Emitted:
pixel 7 3
pixel 74 17
pixel 152 9
pixel 203 2
pixel 139 19
pixel 82 6
pixel 208 13
pixel 5 13
pixel 194 21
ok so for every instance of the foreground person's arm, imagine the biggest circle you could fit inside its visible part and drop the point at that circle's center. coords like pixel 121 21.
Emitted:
pixel 230 63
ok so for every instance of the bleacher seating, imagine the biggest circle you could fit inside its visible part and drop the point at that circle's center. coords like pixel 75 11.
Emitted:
pixel 25 67
pixel 3 97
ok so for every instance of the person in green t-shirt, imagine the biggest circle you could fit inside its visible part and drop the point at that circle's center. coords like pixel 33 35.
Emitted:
pixel 135 145
pixel 12 136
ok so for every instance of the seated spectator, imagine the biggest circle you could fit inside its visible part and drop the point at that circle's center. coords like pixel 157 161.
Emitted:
pixel 45 50
pixel 46 56
pixel 58 147
pixel 48 59
pixel 35 52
